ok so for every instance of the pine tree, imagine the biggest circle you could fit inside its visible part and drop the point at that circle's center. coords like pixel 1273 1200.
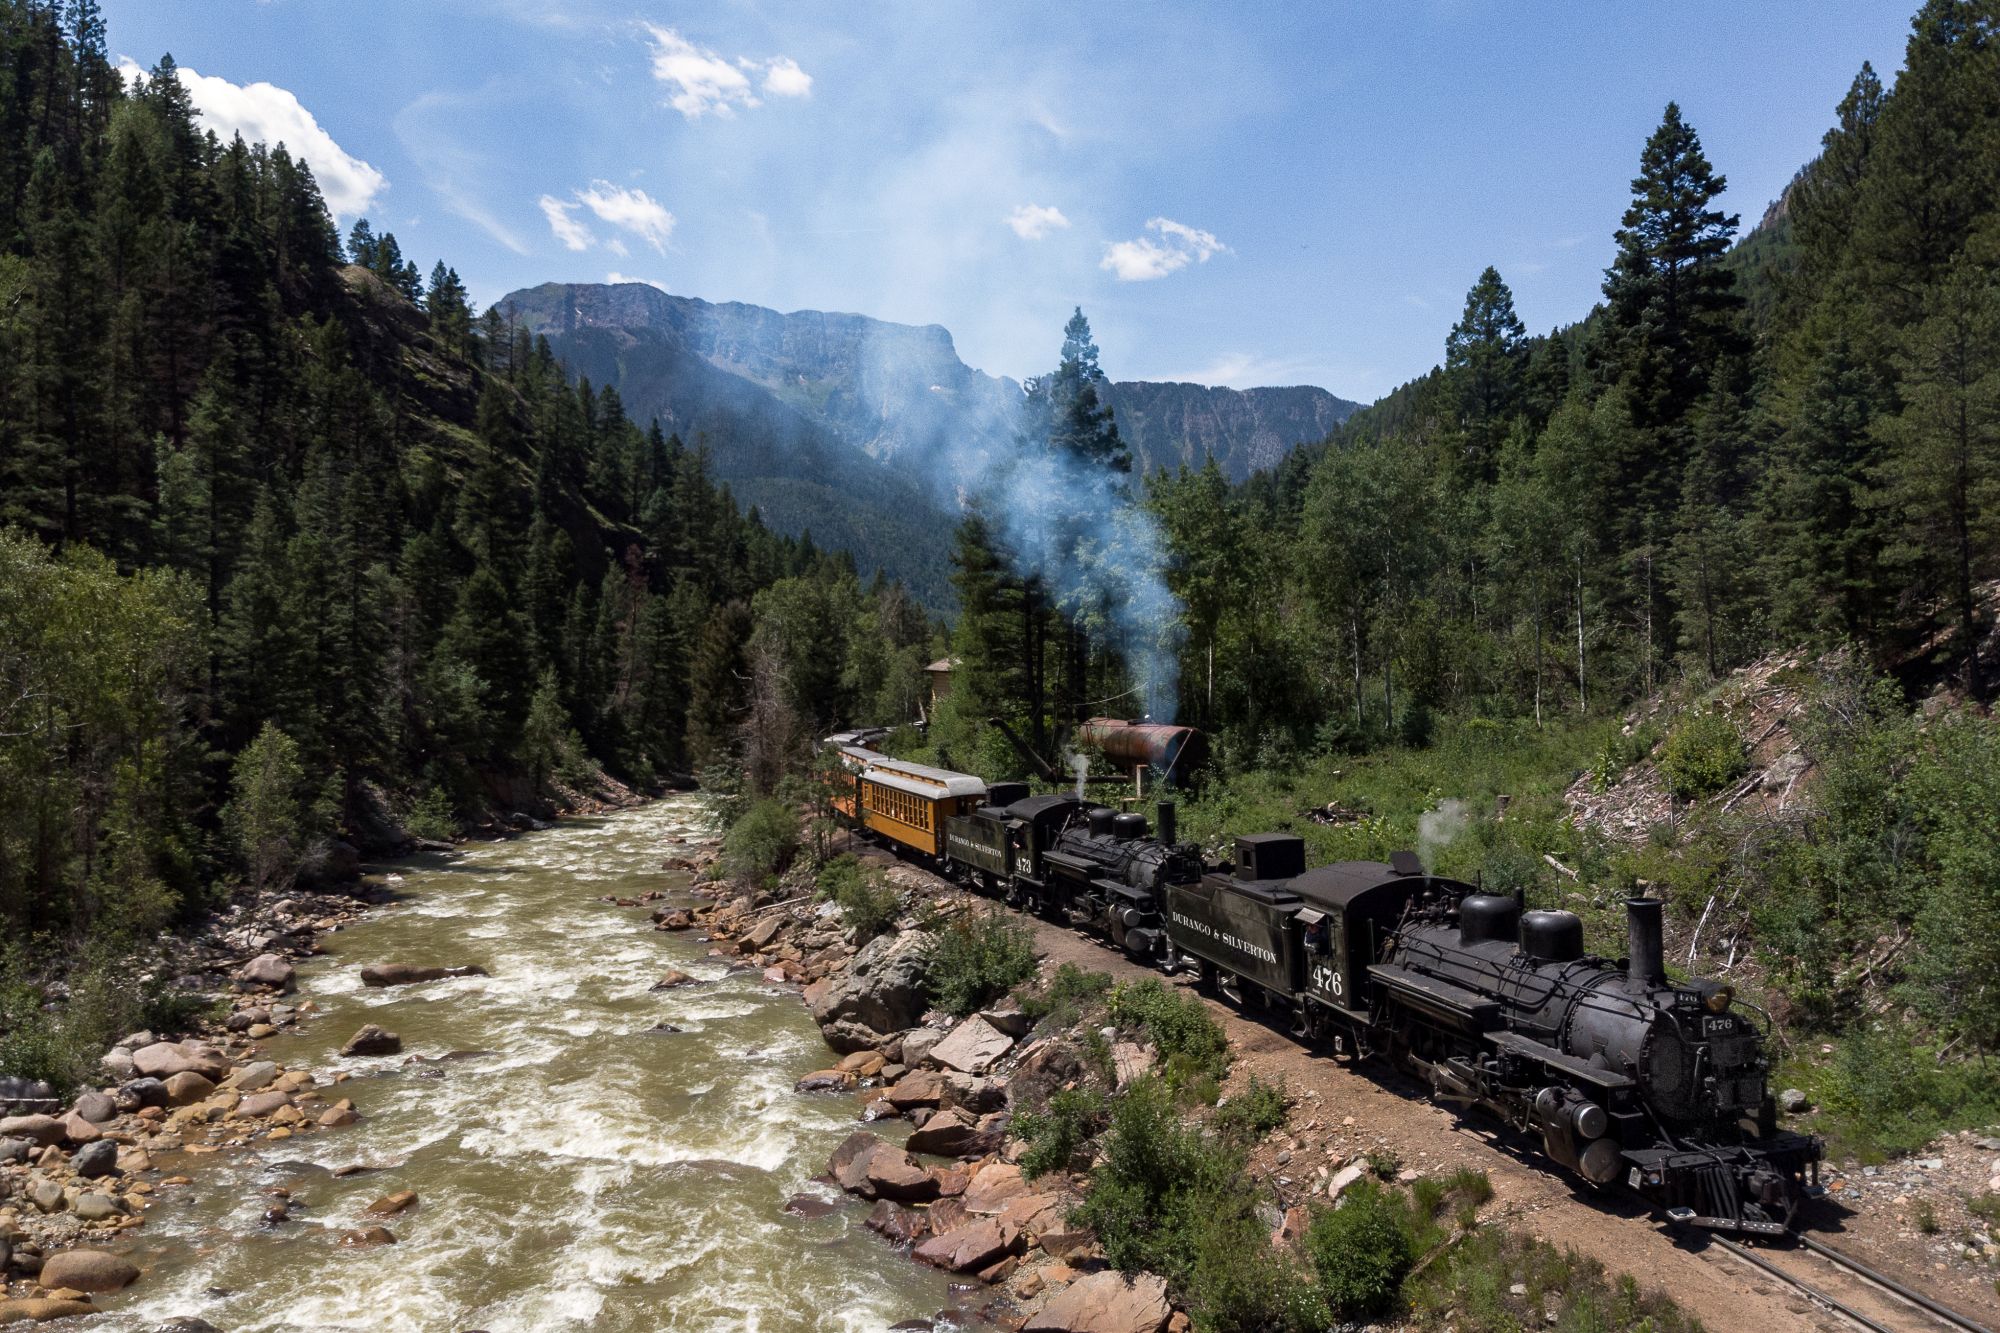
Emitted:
pixel 1070 402
pixel 1486 353
pixel 1671 304
pixel 1941 477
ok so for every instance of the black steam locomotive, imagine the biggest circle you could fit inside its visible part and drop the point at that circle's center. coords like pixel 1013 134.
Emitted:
pixel 1625 1078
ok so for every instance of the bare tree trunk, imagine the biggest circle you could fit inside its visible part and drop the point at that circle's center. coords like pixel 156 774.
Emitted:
pixel 1582 696
pixel 1538 661
pixel 1354 630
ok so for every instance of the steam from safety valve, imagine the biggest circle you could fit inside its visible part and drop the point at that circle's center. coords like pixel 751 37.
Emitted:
pixel 1079 764
pixel 1436 829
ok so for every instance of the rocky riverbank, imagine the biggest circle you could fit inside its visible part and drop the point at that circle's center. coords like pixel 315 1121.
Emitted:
pixel 936 1161
pixel 78 1174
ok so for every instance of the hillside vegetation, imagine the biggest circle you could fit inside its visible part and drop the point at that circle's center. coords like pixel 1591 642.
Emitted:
pixel 294 551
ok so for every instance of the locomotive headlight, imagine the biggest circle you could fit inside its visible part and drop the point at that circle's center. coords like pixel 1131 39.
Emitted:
pixel 1718 1002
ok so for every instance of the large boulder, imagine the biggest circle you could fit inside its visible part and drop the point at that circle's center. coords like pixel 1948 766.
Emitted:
pixel 993 1187
pixel 87 1270
pixel 42 1130
pixel 875 1169
pixel 973 1047
pixel 97 1108
pixel 1107 1302
pixel 372 1040
pixel 409 974
pixel 924 1087
pixel 164 1059
pixel 187 1087
pixel 42 1309
pixel 270 970
pixel 969 1248
pixel 954 1132
pixel 883 989
pixel 95 1160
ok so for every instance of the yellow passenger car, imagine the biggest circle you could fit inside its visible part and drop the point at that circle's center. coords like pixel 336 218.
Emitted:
pixel 904 802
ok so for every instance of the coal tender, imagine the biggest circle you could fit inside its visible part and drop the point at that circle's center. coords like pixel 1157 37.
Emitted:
pixel 1092 867
pixel 1626 1077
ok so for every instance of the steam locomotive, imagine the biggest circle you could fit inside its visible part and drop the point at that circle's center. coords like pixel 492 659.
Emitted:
pixel 1627 1079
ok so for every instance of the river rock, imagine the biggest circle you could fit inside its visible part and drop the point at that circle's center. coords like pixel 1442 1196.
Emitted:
pixel 1793 1102
pixel 270 970
pixel 978 1095
pixel 263 1103
pixel 87 1270
pixel 898 1224
pixel 185 1324
pixel 883 989
pixel 79 1131
pixel 14 1150
pixel 972 1047
pixel 372 1040
pixel 94 1207
pixel 918 1044
pixel 674 977
pixel 993 1187
pixel 761 934
pixel 954 1132
pixel 164 1059
pixel 677 918
pixel 42 1309
pixel 391 1204
pixel 925 1087
pixel 187 1087
pixel 94 1160
pixel 1107 1302
pixel 254 1077
pixel 145 1092
pixel 96 1107
pixel 117 1062
pixel 846 1035
pixel 245 1019
pixel 366 1238
pixel 46 1195
pixel 41 1130
pixel 410 974
pixel 968 1248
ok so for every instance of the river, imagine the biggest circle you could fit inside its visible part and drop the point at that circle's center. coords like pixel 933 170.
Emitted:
pixel 583 1172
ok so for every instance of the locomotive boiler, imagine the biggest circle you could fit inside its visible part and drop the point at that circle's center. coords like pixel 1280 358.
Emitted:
pixel 1624 1077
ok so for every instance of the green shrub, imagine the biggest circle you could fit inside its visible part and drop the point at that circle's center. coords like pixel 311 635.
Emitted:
pixel 108 998
pixel 1703 754
pixel 1361 1250
pixel 1188 1038
pixel 979 958
pixel 1067 996
pixel 1985 1207
pixel 1384 1162
pixel 1054 1136
pixel 264 816
pixel 1254 1112
pixel 1886 1096
pixel 867 903
pixel 760 846
pixel 1163 1182
pixel 431 816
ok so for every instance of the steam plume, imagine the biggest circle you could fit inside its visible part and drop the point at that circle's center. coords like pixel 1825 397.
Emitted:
pixel 1436 828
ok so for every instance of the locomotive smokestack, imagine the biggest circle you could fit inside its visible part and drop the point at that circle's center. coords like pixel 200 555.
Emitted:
pixel 1645 964
pixel 1164 828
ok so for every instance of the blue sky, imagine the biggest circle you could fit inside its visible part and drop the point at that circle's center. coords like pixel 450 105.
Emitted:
pixel 1241 194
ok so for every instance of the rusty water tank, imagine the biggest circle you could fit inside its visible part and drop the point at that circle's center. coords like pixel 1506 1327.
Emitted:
pixel 1171 750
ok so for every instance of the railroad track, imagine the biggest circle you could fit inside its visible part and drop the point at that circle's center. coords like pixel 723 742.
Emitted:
pixel 1865 1296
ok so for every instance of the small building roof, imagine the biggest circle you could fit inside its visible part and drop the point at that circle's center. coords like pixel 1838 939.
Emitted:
pixel 944 664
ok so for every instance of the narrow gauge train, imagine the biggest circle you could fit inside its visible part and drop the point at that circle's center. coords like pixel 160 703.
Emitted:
pixel 1624 1076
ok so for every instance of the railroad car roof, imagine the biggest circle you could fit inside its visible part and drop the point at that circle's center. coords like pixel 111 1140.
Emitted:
pixel 1341 882
pixel 1034 807
pixel 922 779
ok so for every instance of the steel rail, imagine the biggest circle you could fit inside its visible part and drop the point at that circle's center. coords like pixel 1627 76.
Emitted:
pixel 1889 1284
pixel 1800 1285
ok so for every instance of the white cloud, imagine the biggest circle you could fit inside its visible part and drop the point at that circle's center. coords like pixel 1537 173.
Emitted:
pixel 784 78
pixel 266 113
pixel 1031 222
pixel 1142 259
pixel 562 221
pixel 630 210
pixel 615 277
pixel 703 82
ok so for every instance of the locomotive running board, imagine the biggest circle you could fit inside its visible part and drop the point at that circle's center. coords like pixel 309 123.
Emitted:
pixel 1513 1043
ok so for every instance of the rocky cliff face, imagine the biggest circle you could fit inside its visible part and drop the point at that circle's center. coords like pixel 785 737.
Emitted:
pixel 1247 430
pixel 867 433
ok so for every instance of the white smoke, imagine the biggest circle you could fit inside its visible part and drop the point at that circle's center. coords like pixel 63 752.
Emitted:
pixel 1079 764
pixel 1436 829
